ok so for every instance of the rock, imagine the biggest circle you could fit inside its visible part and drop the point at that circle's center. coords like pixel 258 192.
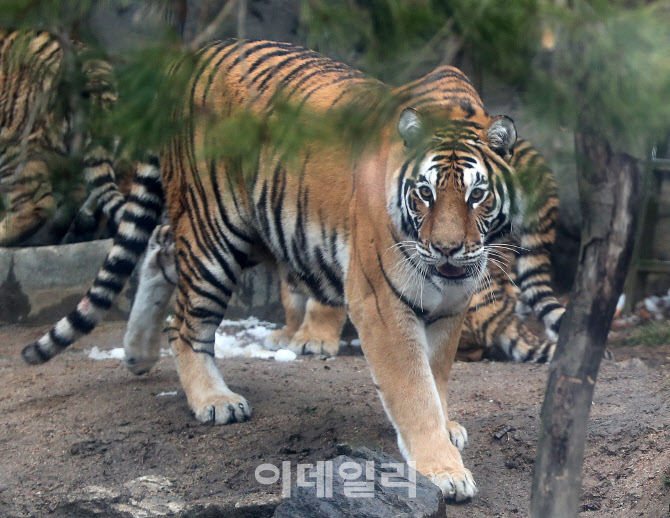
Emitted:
pixel 632 363
pixel 378 499
pixel 255 505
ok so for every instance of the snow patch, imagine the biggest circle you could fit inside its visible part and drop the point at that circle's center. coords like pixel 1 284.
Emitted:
pixel 233 338
pixel 285 355
pixel 116 354
pixel 167 394
pixel 242 337
pixel 112 354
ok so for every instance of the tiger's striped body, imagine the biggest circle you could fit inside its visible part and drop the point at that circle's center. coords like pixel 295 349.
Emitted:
pixel 36 131
pixel 346 229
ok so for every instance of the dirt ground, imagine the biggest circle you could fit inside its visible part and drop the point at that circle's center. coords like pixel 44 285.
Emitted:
pixel 80 437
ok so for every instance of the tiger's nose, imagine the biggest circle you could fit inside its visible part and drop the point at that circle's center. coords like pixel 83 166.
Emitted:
pixel 447 250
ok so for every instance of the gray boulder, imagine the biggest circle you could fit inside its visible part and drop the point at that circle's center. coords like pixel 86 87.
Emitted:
pixel 385 491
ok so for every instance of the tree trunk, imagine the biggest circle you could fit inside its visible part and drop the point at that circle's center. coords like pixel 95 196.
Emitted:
pixel 609 188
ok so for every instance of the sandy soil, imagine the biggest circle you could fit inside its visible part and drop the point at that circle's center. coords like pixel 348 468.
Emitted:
pixel 80 437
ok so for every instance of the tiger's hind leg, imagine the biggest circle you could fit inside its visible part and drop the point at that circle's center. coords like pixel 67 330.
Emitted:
pixel 29 204
pixel 206 280
pixel 158 277
pixel 320 331
pixel 294 304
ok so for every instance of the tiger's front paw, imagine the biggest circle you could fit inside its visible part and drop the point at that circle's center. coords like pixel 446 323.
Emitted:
pixel 305 344
pixel 458 435
pixel 222 409
pixel 278 340
pixel 456 484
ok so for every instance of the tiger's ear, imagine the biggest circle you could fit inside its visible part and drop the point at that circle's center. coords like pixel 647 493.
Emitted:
pixel 410 126
pixel 501 135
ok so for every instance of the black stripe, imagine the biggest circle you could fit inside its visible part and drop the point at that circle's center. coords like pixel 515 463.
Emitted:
pixel 303 272
pixel 133 244
pixel 251 48
pixel 204 272
pixel 144 222
pixel 219 202
pixel 203 293
pixel 151 182
pixel 540 296
pixel 534 284
pixel 502 307
pixel 159 261
pixel 278 199
pixel 541 269
pixel 35 348
pixel 282 64
pixel 118 266
pixel 265 57
pixel 98 300
pixel 146 203
pixel 102 180
pixel 205 314
pixel 332 277
pixel 59 342
pixel 114 285
pixel 544 353
pixel 421 313
pixel 80 322
pixel 372 288
pixel 548 309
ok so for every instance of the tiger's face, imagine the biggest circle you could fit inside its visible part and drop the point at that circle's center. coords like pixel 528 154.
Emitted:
pixel 452 195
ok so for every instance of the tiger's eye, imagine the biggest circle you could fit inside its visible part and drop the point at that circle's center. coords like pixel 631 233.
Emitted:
pixel 426 193
pixel 477 195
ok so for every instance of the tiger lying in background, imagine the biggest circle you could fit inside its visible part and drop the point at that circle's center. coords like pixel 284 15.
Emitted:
pixel 36 133
pixel 419 206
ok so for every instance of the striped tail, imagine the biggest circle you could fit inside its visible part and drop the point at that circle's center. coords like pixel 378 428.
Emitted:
pixel 537 236
pixel 104 199
pixel 104 189
pixel 140 215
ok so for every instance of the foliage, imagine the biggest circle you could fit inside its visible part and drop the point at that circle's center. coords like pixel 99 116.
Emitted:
pixel 651 334
pixel 590 60
pixel 608 71
pixel 153 83
pixel 584 63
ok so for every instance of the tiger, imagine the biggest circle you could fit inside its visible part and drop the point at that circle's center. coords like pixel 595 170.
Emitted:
pixel 36 132
pixel 492 327
pixel 398 237
pixel 493 323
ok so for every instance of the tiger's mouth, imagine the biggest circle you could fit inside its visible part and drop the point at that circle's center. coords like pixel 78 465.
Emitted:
pixel 452 272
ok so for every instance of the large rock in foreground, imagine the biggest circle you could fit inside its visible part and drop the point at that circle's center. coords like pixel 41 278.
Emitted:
pixel 383 488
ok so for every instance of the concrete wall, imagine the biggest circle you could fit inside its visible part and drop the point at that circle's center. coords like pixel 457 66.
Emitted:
pixel 38 285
